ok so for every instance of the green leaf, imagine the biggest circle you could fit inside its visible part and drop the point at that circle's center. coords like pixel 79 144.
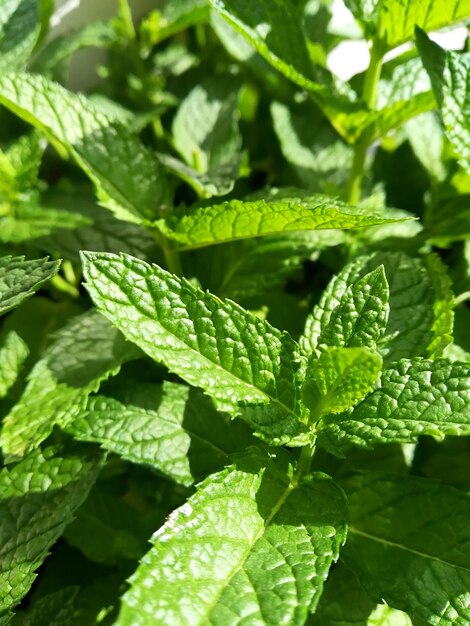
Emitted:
pixel 104 232
pixel 398 18
pixel 248 545
pixel 449 72
pixel 205 129
pixel 443 307
pixel 321 161
pixel 417 397
pixel 19 279
pixel 344 602
pixel 355 316
pixel 339 378
pixel 252 267
pixel 128 177
pixel 249 368
pixel 39 496
pixel 19 32
pixel 31 221
pixel 416 300
pixel 404 549
pixel 174 16
pixel 84 353
pixel 235 219
pixel 170 427
pixel 13 354
pixel 392 22
pixel 107 529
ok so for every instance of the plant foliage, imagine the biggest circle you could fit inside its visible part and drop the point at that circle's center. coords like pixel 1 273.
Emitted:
pixel 241 395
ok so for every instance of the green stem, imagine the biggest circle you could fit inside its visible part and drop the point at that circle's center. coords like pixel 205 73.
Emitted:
pixel 369 95
pixel 172 257
pixel 305 460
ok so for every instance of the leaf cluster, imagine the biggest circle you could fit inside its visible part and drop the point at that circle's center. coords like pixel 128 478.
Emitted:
pixel 234 351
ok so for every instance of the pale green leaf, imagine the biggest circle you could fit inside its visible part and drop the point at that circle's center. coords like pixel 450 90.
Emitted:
pixel 417 397
pixel 13 354
pixel 19 32
pixel 443 307
pixel 408 543
pixel 19 279
pixel 129 179
pixel 320 159
pixel 353 317
pixel 398 18
pixel 449 73
pixel 85 352
pixel 218 182
pixel 29 220
pixel 174 16
pixel 205 129
pixel 250 368
pixel 339 378
pixel 39 496
pixel 252 545
pixel 170 427
pixel 392 22
pixel 237 219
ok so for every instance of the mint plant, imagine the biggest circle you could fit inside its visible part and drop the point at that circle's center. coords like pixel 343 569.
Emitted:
pixel 241 393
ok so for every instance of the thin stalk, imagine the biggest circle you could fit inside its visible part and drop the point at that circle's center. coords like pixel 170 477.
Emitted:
pixel 304 462
pixel 369 95
pixel 172 257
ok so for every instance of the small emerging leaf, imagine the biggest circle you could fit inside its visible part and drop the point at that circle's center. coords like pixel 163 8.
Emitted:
pixel 339 378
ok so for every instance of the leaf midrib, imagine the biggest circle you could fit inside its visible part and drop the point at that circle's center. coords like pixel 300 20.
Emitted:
pixel 398 546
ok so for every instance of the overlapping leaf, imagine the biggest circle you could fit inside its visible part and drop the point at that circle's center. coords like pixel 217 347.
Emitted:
pixel 339 378
pixel 251 544
pixel 245 364
pixel 19 32
pixel 170 427
pixel 352 316
pixel 13 353
pixel 83 354
pixel 129 179
pixel 417 397
pixel 19 279
pixel 236 219
pixel 38 498
pixel 408 543
pixel 449 73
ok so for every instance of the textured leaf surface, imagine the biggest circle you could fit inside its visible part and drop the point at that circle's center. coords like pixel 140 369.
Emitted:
pixel 449 73
pixel 409 544
pixel 416 397
pixel 398 18
pixel 19 279
pixel 246 365
pixel 83 354
pixel 339 378
pixel 251 545
pixel 129 178
pixel 353 317
pixel 416 300
pixel 19 31
pixel 170 427
pixel 13 353
pixel 236 219
pixel 38 496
